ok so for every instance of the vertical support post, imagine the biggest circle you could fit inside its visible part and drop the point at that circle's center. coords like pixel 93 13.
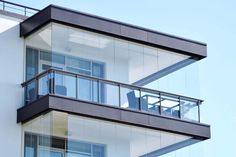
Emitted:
pixel 160 108
pixel 140 100
pixel 76 86
pixel 119 95
pixel 37 87
pixel 99 91
pixel 198 104
pixel 25 11
pixel 49 82
pixel 180 108
pixel 53 82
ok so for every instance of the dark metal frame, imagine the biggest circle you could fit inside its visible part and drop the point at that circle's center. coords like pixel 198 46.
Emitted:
pixel 159 94
pixel 113 28
pixel 107 81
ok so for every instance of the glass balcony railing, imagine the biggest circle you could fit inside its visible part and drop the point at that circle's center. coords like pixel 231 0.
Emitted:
pixel 106 92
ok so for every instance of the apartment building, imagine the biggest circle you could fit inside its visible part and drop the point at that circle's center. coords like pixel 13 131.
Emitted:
pixel 80 85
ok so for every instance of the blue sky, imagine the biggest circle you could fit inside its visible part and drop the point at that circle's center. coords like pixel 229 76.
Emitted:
pixel 212 22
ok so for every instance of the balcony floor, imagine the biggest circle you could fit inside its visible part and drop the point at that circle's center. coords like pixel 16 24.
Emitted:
pixel 52 102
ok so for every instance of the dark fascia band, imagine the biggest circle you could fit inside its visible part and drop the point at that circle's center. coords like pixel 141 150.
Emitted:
pixel 113 28
pixel 110 113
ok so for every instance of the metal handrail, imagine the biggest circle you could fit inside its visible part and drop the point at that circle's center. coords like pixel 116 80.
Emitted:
pixel 143 89
pixel 25 8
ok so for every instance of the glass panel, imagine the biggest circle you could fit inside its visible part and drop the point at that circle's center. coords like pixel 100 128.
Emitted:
pixel 125 61
pixel 83 64
pixel 31 62
pixel 85 72
pixel 30 145
pixel 65 85
pixel 84 89
pixel 98 151
pixel 30 92
pixel 44 85
pixel 109 94
pixel 150 102
pixel 130 98
pixel 46 56
pixel 95 91
pixel 72 62
pixel 78 71
pixel 49 153
pixel 70 154
pixel 79 147
pixel 170 106
pixel 189 110
pixel 56 58
pixel 83 136
pixel 98 70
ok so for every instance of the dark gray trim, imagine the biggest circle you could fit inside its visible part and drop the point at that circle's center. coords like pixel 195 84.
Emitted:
pixel 115 114
pixel 109 27
pixel 33 110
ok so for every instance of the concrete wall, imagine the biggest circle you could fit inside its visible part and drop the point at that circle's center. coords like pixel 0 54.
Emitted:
pixel 11 93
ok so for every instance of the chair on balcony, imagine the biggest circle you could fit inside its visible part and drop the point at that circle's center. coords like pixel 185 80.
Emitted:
pixel 132 100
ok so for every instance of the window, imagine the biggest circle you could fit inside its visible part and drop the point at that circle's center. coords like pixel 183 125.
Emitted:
pixel 45 146
pixel 39 60
pixel 31 63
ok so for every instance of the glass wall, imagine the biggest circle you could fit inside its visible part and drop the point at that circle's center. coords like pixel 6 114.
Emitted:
pixel 79 51
pixel 58 134
pixel 94 54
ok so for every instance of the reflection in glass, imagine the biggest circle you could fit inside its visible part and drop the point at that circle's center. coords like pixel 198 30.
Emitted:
pixel 150 102
pixel 170 106
pixel 60 134
pixel 30 92
pixel 109 94
pixel 189 110
pixel 84 89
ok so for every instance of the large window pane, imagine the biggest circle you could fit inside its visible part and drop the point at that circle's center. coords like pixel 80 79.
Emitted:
pixel 31 62
pixel 79 147
pixel 98 151
pixel 98 70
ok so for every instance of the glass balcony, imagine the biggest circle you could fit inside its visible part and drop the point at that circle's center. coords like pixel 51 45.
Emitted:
pixel 105 92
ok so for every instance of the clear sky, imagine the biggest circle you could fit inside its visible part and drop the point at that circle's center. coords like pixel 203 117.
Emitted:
pixel 212 22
